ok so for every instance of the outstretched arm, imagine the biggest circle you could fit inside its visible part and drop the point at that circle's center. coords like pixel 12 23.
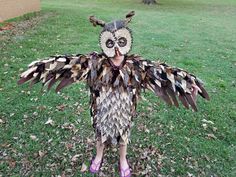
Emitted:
pixel 66 69
pixel 170 82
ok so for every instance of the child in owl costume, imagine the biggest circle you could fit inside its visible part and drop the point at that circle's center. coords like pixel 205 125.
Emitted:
pixel 115 80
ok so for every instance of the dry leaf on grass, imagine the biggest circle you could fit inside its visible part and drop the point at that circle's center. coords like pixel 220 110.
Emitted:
pixel 204 126
pixel 83 168
pixel 214 129
pixel 207 121
pixel 69 146
pixel 7 26
pixel 12 163
pixel 33 137
pixel 68 126
pixel 41 153
pixel 49 122
pixel 2 121
pixel 75 157
pixel 211 136
pixel 61 107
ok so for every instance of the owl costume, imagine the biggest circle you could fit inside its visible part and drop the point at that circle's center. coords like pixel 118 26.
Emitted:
pixel 115 90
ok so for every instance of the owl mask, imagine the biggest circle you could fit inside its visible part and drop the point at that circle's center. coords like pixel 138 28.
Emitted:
pixel 115 37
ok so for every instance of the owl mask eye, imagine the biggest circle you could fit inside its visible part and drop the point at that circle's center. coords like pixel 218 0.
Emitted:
pixel 122 42
pixel 110 43
pixel 107 43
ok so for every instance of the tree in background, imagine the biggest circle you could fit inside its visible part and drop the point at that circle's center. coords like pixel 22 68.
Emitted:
pixel 149 2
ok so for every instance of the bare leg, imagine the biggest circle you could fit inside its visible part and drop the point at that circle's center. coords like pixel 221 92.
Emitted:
pixel 123 161
pixel 99 147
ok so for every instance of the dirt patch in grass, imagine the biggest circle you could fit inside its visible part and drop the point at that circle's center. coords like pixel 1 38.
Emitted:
pixel 17 28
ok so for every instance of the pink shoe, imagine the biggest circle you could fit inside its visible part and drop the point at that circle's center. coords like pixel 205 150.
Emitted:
pixel 124 171
pixel 96 165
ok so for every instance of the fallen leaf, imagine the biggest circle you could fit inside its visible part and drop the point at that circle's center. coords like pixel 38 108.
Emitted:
pixel 207 158
pixel 41 153
pixel 61 107
pixel 89 141
pixel 49 122
pixel 7 26
pixel 114 149
pixel 187 138
pixel 35 114
pixel 150 109
pixel 69 146
pixel 6 145
pixel 63 174
pixel 68 170
pixel 190 174
pixel 33 137
pixel 208 166
pixel 68 126
pixel 12 163
pixel 75 158
pixel 211 136
pixel 207 121
pixel 2 121
pixel 84 168
pixel 214 129
pixel 204 126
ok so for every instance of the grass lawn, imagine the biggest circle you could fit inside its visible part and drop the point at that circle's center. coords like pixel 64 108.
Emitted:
pixel 49 134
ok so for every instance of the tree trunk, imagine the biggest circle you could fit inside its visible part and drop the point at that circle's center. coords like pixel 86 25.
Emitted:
pixel 149 2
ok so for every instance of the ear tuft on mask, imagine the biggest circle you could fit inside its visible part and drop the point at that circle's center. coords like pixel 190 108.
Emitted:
pixel 96 21
pixel 129 17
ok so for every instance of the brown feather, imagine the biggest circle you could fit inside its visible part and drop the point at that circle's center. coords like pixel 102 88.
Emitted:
pixel 96 21
pixel 204 93
pixel 23 80
pixel 65 82
pixel 184 102
pixel 172 96
pixel 52 82
pixel 190 100
pixel 129 17
pixel 165 96
pixel 48 77
pixel 34 81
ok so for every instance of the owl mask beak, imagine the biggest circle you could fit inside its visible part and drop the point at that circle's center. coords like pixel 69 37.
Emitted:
pixel 117 52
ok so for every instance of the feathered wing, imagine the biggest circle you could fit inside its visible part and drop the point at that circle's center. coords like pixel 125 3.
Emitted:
pixel 65 69
pixel 170 83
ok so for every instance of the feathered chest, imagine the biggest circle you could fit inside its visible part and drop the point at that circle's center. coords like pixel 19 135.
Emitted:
pixel 103 74
pixel 114 88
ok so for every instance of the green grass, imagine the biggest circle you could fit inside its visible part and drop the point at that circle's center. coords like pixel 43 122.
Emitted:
pixel 198 36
